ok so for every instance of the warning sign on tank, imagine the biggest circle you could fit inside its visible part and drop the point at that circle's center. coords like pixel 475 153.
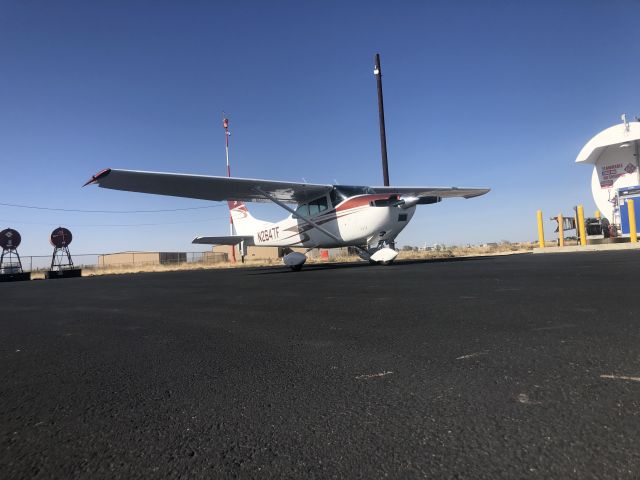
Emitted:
pixel 610 173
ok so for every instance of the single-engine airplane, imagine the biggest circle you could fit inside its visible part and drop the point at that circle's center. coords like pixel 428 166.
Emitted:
pixel 320 216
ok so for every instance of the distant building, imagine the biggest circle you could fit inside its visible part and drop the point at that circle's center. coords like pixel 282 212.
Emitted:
pixel 141 258
pixel 431 248
pixel 255 253
pixel 214 257
pixel 276 253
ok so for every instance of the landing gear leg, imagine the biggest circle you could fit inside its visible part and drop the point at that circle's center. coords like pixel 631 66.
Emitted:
pixel 364 254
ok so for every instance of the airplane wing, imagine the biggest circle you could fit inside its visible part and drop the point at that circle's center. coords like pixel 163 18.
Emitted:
pixel 207 187
pixel 224 240
pixel 421 192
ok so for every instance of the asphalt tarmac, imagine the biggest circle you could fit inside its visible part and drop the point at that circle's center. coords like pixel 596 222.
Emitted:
pixel 520 366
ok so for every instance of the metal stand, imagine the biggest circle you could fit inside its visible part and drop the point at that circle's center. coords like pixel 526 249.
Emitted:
pixel 61 263
pixel 10 261
pixel 61 259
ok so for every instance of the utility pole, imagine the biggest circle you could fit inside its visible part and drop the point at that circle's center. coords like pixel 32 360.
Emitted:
pixel 377 71
pixel 383 136
pixel 225 124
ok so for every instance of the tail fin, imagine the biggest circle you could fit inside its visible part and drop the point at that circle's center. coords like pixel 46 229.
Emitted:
pixel 243 222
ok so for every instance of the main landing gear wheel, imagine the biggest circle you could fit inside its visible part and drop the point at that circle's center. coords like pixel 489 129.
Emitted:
pixel 373 262
pixel 294 260
pixel 383 256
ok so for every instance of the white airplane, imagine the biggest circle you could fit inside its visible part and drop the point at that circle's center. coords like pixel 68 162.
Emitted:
pixel 320 216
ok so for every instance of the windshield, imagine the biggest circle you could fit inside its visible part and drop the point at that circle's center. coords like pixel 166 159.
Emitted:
pixel 342 192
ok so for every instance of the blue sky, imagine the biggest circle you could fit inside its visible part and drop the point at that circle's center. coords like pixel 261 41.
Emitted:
pixel 488 94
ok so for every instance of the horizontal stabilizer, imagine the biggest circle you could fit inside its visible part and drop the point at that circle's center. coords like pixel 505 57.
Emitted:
pixel 224 240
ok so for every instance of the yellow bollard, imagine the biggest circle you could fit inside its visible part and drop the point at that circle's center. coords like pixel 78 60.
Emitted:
pixel 633 232
pixel 583 233
pixel 560 231
pixel 540 229
pixel 597 214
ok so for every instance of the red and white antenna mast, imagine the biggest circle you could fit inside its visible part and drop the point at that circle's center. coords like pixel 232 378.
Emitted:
pixel 227 133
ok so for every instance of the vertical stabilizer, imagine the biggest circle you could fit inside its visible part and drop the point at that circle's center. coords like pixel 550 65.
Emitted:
pixel 243 222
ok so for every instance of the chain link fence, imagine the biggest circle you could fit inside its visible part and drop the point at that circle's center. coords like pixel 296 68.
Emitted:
pixel 34 263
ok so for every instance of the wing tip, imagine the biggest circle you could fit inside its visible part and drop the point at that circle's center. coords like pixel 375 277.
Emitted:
pixel 482 191
pixel 95 178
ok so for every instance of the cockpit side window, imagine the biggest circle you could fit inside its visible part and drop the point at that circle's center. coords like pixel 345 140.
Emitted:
pixel 313 208
pixel 317 206
pixel 303 210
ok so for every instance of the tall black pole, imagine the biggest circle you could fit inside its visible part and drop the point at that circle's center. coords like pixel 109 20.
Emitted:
pixel 383 136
